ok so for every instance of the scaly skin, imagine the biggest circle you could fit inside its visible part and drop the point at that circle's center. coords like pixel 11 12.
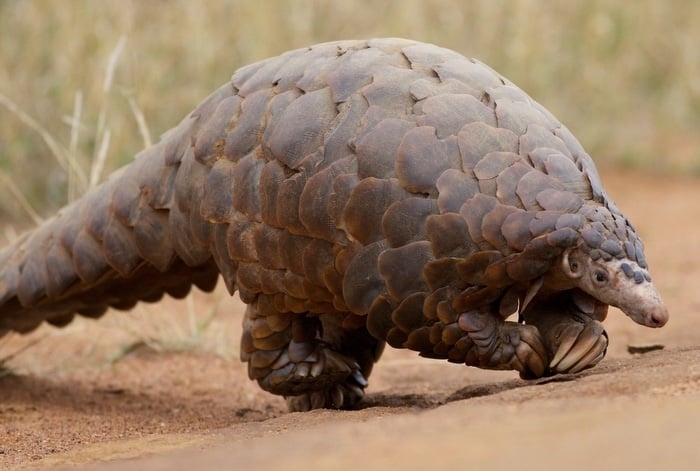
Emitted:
pixel 355 193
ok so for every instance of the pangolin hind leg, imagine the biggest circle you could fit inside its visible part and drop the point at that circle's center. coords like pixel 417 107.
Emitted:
pixel 571 327
pixel 312 363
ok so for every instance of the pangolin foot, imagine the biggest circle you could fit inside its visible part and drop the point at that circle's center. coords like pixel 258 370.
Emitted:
pixel 323 379
pixel 344 395
pixel 504 345
pixel 577 346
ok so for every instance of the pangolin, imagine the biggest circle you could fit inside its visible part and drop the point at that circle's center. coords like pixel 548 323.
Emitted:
pixel 355 193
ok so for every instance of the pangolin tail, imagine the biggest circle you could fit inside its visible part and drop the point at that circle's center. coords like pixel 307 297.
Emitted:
pixel 134 238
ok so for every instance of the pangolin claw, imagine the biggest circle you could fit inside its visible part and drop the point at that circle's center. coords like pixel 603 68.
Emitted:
pixel 532 353
pixel 593 356
pixel 344 395
pixel 582 346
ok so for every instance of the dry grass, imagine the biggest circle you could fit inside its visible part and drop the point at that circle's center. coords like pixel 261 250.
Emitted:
pixel 624 76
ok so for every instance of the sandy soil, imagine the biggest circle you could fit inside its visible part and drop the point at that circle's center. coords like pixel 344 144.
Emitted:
pixel 87 396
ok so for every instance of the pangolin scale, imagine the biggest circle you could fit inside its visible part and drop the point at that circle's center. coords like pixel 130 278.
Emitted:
pixel 355 193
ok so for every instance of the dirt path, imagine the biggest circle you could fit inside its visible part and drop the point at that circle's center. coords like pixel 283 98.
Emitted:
pixel 66 404
pixel 629 414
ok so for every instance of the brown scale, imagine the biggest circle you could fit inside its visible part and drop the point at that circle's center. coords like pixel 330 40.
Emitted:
pixel 449 235
pixel 366 206
pixel 422 158
pixel 339 138
pixel 404 221
pixel 210 145
pixel 376 149
pixel 438 109
pixel 389 89
pixel 475 140
pixel 316 198
pixel 401 268
pixel 353 193
pixel 538 137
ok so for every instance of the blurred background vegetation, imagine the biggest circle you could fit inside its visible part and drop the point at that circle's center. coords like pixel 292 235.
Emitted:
pixel 87 80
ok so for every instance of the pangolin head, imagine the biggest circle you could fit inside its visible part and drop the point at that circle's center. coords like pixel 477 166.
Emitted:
pixel 608 263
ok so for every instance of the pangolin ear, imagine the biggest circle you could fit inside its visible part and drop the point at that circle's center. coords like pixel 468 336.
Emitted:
pixel 571 265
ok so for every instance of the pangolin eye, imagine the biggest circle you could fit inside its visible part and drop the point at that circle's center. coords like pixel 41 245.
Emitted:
pixel 601 276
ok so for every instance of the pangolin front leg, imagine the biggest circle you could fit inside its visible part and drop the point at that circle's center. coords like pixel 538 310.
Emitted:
pixel 310 360
pixel 503 345
pixel 571 327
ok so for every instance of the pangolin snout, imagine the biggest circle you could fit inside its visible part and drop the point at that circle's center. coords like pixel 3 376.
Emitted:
pixel 649 313
pixel 657 317
pixel 643 304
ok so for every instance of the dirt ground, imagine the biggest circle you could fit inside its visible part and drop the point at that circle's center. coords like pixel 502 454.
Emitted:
pixel 80 398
